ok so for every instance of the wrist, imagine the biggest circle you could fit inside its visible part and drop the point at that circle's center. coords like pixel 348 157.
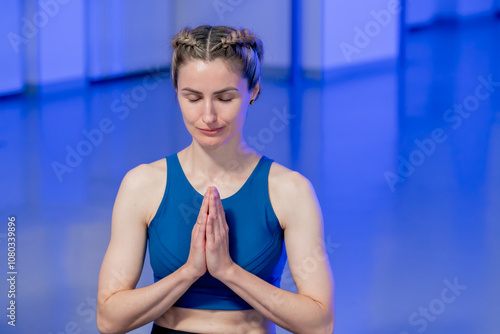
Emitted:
pixel 229 273
pixel 189 274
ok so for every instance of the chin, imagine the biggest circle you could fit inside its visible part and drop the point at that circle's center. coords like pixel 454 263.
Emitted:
pixel 211 142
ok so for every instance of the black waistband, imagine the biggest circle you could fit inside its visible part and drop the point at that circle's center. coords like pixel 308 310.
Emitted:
pixel 162 330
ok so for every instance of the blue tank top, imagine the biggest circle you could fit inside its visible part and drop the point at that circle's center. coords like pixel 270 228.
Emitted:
pixel 255 236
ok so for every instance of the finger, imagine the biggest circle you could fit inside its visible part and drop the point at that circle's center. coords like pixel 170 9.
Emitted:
pixel 209 193
pixel 221 215
pixel 198 234
pixel 211 222
pixel 220 209
pixel 201 230
pixel 203 208
pixel 204 204
pixel 215 214
pixel 209 233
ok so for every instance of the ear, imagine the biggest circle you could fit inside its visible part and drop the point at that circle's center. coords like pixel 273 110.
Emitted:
pixel 255 91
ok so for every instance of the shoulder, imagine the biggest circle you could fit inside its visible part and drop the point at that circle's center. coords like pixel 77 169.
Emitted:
pixel 289 191
pixel 145 175
pixel 286 181
pixel 142 188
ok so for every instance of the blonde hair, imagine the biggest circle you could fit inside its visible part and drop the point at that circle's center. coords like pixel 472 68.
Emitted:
pixel 239 46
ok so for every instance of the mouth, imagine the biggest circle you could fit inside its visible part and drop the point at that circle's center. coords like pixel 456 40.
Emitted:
pixel 211 131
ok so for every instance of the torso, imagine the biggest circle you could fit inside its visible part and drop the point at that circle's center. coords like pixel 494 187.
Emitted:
pixel 216 321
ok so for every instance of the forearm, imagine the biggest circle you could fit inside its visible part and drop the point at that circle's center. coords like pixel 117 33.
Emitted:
pixel 129 309
pixel 293 312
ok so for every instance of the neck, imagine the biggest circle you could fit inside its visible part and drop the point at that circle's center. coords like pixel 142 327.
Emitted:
pixel 231 157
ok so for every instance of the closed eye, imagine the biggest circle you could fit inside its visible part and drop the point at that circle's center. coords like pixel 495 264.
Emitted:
pixel 225 97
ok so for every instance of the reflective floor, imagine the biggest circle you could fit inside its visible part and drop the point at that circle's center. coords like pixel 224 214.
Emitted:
pixel 406 167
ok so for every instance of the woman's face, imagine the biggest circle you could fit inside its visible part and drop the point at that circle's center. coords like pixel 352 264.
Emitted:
pixel 213 98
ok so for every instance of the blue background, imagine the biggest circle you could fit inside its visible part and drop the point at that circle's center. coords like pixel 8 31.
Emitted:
pixel 392 111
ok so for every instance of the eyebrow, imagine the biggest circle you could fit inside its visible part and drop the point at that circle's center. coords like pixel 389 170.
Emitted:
pixel 215 93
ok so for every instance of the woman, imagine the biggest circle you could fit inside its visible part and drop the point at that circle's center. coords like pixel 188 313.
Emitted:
pixel 217 258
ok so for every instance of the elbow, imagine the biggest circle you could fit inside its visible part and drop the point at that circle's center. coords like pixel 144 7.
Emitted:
pixel 326 326
pixel 103 326
pixel 107 328
pixel 106 325
pixel 329 326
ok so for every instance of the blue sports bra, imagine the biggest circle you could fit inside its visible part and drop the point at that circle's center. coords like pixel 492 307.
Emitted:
pixel 255 236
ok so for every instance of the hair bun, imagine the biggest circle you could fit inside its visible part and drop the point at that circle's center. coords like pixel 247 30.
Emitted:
pixel 184 38
pixel 244 38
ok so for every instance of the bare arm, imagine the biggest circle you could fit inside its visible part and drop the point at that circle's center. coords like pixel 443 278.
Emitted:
pixel 121 307
pixel 311 309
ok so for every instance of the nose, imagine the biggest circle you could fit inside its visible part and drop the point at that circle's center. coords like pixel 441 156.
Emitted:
pixel 209 114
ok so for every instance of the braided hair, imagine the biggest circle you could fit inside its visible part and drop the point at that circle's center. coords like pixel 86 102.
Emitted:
pixel 208 43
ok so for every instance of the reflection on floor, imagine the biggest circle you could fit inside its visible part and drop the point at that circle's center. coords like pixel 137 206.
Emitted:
pixel 406 167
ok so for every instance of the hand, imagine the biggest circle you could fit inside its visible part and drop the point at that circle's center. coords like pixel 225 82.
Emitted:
pixel 196 262
pixel 217 238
